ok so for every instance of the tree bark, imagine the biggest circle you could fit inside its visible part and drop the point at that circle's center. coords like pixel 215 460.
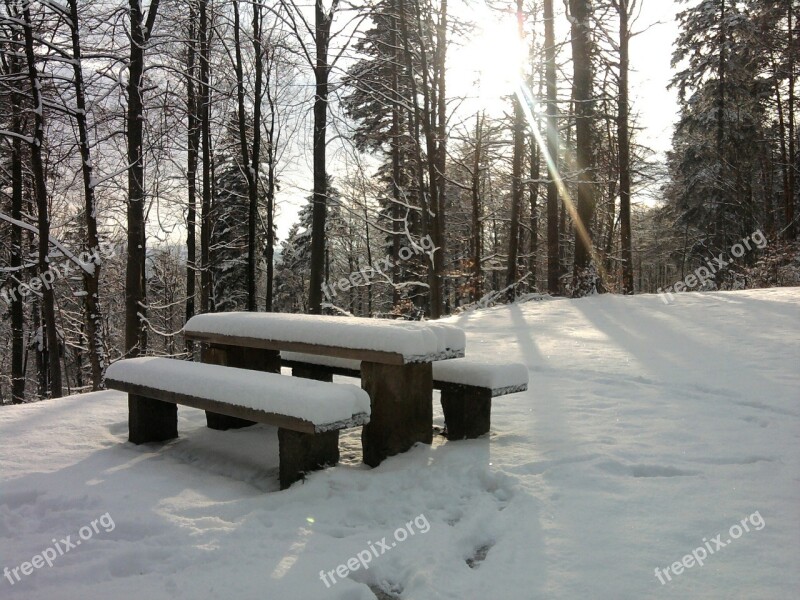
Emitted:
pixel 477 225
pixel 553 262
pixel 205 127
pixel 40 192
pixel 17 251
pixel 322 20
pixel 396 157
pixel 135 284
pixel 584 114
pixel 250 158
pixel 516 182
pixel 791 229
pixel 623 139
pixel 91 280
pixel 440 256
pixel 432 148
pixel 192 154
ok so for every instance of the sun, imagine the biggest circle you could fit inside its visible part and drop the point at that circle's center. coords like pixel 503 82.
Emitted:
pixel 488 67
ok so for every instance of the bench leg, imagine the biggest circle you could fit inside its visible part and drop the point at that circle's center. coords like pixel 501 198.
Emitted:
pixel 241 358
pixel 316 372
pixel 151 420
pixel 467 411
pixel 402 409
pixel 305 452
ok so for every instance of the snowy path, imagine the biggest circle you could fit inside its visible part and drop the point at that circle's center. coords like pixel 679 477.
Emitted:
pixel 646 429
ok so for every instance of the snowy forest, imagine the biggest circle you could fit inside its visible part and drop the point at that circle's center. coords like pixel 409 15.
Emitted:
pixel 149 150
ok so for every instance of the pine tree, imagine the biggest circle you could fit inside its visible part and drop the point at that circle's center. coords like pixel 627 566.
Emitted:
pixel 716 142
pixel 293 268
pixel 229 238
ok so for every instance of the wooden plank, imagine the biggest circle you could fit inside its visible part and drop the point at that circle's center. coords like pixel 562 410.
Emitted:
pixel 303 366
pixel 223 408
pixel 375 356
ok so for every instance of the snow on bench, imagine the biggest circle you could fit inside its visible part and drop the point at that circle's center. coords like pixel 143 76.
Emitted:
pixel 308 414
pixel 373 340
pixel 500 378
pixel 467 385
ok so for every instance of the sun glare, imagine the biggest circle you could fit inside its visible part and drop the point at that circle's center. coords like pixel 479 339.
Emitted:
pixel 488 67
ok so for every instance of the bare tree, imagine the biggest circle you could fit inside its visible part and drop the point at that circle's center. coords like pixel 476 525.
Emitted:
pixel 553 261
pixel 517 188
pixel 583 278
pixel 625 8
pixel 91 275
pixel 40 194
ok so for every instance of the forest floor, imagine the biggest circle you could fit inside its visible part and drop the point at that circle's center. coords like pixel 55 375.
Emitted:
pixel 650 432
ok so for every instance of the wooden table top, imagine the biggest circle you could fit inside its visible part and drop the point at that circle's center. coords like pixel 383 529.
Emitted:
pixel 371 340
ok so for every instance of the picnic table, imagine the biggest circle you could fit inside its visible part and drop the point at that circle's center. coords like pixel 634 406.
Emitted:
pixel 396 364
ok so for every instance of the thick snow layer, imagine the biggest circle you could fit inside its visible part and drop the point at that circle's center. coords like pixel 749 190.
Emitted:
pixel 646 428
pixel 416 342
pixel 313 401
pixel 497 375
pixel 492 374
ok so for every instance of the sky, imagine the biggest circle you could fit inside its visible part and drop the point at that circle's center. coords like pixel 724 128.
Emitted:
pixel 654 106
pixel 651 53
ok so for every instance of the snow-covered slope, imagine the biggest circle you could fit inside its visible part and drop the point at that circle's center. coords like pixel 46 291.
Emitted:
pixel 647 428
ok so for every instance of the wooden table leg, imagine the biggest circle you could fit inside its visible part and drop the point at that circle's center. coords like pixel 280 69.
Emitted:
pixel 467 411
pixel 240 358
pixel 402 409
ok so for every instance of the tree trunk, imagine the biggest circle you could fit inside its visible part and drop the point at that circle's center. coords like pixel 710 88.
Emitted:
pixel 440 255
pixel 40 192
pixel 516 182
pixel 717 232
pixel 397 230
pixel 477 225
pixel 250 159
pixel 623 139
pixel 791 230
pixel 415 117
pixel 553 262
pixel 323 21
pixel 271 184
pixel 135 284
pixel 208 177
pixel 193 151
pixel 17 251
pixel 584 114
pixel 91 276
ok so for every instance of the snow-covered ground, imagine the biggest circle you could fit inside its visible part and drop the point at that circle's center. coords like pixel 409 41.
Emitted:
pixel 648 430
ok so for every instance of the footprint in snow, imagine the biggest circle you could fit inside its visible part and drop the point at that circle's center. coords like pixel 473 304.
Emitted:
pixel 383 594
pixel 478 556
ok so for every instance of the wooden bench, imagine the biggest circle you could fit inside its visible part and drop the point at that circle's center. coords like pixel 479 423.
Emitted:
pixel 308 416
pixel 394 361
pixel 467 386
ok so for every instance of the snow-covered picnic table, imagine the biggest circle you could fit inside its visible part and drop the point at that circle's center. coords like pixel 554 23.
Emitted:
pixel 396 359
